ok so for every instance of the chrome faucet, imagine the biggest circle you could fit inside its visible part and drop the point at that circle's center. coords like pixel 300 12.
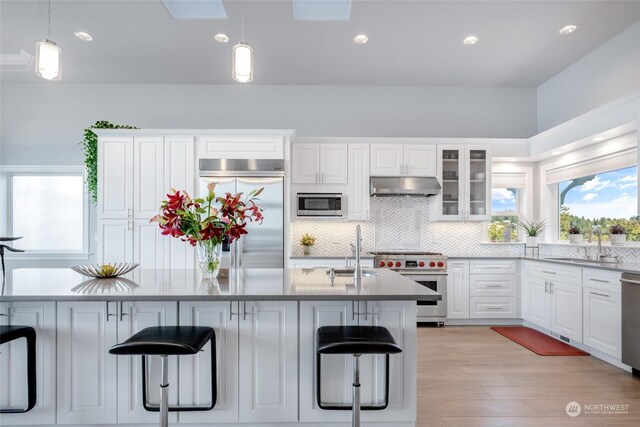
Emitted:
pixel 357 273
pixel 596 230
pixel 586 251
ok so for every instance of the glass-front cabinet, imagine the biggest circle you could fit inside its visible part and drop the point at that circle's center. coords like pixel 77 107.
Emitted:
pixel 465 176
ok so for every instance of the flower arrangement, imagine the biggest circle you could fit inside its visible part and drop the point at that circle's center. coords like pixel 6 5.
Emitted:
pixel 204 225
pixel 574 229
pixel 307 241
pixel 617 229
pixel 574 234
pixel 617 235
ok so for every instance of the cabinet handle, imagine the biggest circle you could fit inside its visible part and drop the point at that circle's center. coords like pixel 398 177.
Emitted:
pixel 635 282
pixel 122 313
pixel 548 272
pixel 494 308
pixel 550 287
pixel 599 280
pixel 546 287
pixel 600 295
pixel 244 310
pixel 494 286
pixel 109 314
pixel 231 313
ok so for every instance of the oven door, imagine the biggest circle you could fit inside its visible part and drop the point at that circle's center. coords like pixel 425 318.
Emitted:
pixel 436 282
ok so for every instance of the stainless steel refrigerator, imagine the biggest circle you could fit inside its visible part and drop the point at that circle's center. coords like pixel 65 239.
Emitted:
pixel 263 246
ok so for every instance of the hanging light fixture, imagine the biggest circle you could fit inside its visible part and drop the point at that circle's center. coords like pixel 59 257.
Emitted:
pixel 48 57
pixel 242 60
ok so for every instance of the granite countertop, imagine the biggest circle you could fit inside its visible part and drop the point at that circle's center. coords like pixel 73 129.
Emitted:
pixel 623 266
pixel 62 284
pixel 351 257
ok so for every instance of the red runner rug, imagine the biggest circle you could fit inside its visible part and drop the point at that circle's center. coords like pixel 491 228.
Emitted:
pixel 538 342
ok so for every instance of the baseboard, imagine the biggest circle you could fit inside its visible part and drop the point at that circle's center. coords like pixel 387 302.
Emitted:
pixel 483 322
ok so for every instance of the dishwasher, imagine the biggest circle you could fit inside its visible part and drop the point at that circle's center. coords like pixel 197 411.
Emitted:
pixel 631 321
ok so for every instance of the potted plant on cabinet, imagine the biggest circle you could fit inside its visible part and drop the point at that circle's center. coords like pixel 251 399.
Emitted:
pixel 575 235
pixel 307 241
pixel 617 235
pixel 533 229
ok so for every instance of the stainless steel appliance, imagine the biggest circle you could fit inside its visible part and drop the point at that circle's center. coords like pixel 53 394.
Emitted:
pixel 263 246
pixel 631 321
pixel 403 186
pixel 426 268
pixel 319 204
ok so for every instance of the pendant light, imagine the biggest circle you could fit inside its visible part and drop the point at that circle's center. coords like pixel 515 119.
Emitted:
pixel 48 57
pixel 242 60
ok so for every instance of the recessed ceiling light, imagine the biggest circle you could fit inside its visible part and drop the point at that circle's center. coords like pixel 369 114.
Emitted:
pixel 81 35
pixel 361 39
pixel 470 40
pixel 599 139
pixel 221 38
pixel 555 153
pixel 568 29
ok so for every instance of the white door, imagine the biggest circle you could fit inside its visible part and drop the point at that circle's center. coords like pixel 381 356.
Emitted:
pixel 458 290
pixel 358 192
pixel 148 176
pixel 566 310
pixel 115 241
pixel 132 318
pixel 478 183
pixel 451 173
pixel 602 321
pixel 148 244
pixel 333 163
pixel 305 164
pixel 87 374
pixel 13 363
pixel 195 371
pixel 115 178
pixel 269 356
pixel 387 160
pixel 420 160
pixel 539 300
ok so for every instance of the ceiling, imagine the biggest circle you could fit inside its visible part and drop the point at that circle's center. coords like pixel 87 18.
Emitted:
pixel 410 42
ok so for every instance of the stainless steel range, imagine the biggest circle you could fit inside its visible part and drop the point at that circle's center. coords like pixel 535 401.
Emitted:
pixel 426 268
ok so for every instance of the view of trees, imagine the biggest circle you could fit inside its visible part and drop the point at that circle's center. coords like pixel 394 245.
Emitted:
pixel 631 225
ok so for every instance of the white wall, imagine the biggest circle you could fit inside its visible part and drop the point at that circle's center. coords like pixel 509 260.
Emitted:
pixel 43 123
pixel 609 72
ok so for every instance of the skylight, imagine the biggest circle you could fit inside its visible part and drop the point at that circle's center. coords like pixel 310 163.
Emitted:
pixel 321 10
pixel 195 9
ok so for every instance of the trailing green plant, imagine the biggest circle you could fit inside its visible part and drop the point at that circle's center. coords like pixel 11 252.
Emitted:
pixel 533 228
pixel 90 147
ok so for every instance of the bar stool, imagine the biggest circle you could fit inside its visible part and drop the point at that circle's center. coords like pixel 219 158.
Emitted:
pixel 355 340
pixel 167 341
pixel 10 333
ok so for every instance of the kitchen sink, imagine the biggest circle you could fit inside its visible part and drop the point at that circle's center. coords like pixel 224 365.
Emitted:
pixel 346 272
pixel 582 261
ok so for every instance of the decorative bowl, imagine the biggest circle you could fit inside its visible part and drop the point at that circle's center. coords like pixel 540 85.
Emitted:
pixel 104 270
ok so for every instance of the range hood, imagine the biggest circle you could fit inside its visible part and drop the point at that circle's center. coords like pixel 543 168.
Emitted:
pixel 403 186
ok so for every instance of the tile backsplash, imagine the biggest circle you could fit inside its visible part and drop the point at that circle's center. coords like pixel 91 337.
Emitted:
pixel 404 223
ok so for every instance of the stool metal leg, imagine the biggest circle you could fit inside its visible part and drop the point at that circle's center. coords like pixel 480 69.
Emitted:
pixel 356 391
pixel 164 393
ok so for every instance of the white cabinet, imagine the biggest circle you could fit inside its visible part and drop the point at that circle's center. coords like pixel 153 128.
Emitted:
pixel 260 336
pixel 403 160
pixel 493 289
pixel 241 147
pixel 554 298
pixel 95 387
pixel 134 176
pixel 602 317
pixel 358 178
pixel 465 174
pixel 319 163
pixel 337 375
pixel 13 363
pixel 458 290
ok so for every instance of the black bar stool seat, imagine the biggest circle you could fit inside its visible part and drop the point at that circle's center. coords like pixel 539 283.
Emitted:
pixel 8 334
pixel 165 340
pixel 356 340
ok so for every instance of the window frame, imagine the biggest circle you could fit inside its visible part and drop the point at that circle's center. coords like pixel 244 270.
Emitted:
pixel 517 213
pixel 7 174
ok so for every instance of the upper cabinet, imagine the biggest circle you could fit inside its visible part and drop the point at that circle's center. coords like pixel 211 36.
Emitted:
pixel 403 160
pixel 465 175
pixel 240 147
pixel 358 188
pixel 115 177
pixel 319 164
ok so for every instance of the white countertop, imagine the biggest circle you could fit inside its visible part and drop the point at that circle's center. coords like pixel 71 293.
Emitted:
pixel 63 284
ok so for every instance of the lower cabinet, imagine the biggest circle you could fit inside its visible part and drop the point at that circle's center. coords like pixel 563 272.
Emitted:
pixel 458 290
pixel 337 370
pixel 602 311
pixel 262 337
pixel 13 363
pixel 95 387
pixel 493 290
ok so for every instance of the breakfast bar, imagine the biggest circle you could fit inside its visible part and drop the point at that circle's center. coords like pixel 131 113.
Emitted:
pixel 265 322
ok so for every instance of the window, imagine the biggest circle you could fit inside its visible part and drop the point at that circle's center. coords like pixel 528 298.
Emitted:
pixel 49 211
pixel 505 210
pixel 604 199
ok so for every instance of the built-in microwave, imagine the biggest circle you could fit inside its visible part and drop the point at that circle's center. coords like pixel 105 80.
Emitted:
pixel 319 204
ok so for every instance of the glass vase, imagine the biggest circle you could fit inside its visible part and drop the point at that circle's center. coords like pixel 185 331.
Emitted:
pixel 209 258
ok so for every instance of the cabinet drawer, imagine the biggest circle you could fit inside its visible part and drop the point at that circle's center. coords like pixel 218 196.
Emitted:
pixel 494 307
pixel 493 284
pixel 488 266
pixel 608 281
pixel 551 271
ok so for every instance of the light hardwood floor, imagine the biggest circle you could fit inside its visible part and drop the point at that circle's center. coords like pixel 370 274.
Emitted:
pixel 472 376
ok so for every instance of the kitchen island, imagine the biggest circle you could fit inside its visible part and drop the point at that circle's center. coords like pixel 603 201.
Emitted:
pixel 265 322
